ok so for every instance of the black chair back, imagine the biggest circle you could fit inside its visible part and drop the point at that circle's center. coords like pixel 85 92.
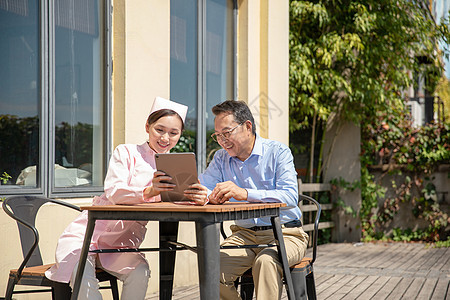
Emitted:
pixel 316 223
pixel 24 209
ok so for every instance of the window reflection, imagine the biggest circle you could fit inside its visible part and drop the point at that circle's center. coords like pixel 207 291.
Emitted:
pixel 74 105
pixel 217 60
pixel 219 63
pixel 183 66
pixel 19 87
pixel 78 94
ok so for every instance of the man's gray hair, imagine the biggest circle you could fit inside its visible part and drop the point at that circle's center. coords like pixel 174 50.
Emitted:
pixel 240 110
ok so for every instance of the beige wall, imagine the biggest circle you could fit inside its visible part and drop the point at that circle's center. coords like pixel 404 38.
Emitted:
pixel 141 57
pixel 263 65
pixel 141 54
pixel 278 70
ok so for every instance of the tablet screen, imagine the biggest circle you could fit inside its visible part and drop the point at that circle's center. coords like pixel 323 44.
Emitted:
pixel 182 167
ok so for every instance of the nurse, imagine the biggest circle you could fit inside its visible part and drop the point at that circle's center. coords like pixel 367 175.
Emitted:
pixel 132 178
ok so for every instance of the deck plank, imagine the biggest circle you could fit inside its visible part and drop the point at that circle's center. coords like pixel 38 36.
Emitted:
pixel 411 252
pixel 327 284
pixel 347 288
pixel 371 271
pixel 396 257
pixel 441 289
pixel 358 290
pixel 391 285
pixel 321 278
pixel 424 254
pixel 437 255
pixel 413 291
pixel 363 259
pixel 381 256
pixel 427 289
pixel 400 289
pixel 332 254
pixel 444 265
pixel 333 288
pixel 374 287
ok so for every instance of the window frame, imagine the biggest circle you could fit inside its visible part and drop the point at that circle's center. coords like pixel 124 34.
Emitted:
pixel 201 79
pixel 45 173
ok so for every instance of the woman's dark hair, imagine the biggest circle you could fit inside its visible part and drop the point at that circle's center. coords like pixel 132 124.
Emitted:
pixel 156 115
pixel 239 109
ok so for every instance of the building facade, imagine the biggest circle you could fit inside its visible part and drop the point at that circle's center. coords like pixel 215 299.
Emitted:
pixel 78 78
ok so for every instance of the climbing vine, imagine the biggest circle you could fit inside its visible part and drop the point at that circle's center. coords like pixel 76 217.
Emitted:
pixel 354 59
pixel 394 147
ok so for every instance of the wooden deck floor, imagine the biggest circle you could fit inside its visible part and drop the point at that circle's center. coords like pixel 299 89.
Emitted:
pixel 373 271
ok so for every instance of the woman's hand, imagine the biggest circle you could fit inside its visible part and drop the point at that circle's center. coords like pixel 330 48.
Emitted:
pixel 160 183
pixel 197 193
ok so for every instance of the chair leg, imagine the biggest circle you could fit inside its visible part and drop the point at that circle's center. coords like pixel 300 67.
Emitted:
pixel 311 286
pixel 114 289
pixel 61 291
pixel 299 282
pixel 10 288
pixel 247 287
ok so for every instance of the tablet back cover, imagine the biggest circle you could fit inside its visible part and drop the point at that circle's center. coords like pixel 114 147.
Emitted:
pixel 182 167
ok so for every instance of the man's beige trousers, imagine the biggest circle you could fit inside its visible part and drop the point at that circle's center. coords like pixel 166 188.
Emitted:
pixel 266 267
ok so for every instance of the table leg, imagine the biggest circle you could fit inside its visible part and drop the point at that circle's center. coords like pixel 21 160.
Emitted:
pixel 83 256
pixel 208 256
pixel 278 234
pixel 168 231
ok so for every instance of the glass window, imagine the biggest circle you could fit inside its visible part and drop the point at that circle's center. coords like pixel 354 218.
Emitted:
pixel 19 91
pixel 183 66
pixel 219 63
pixel 52 96
pixel 201 67
pixel 79 129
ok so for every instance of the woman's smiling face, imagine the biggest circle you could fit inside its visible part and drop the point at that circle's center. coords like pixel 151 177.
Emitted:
pixel 164 133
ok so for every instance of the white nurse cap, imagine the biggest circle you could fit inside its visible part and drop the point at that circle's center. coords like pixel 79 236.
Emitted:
pixel 161 103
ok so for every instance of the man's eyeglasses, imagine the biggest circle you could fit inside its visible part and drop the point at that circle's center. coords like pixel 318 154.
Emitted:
pixel 225 135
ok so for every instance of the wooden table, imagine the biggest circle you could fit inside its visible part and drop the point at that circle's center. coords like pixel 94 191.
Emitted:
pixel 207 225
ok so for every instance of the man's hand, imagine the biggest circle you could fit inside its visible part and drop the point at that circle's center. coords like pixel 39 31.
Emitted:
pixel 224 191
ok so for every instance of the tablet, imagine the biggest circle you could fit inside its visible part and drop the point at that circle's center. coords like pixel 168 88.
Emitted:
pixel 182 167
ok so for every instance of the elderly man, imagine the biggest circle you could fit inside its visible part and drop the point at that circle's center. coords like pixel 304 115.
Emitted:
pixel 251 168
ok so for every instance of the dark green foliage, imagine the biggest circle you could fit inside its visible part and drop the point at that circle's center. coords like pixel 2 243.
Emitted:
pixel 20 139
pixel 391 139
pixel 74 143
pixel 355 58
pixel 19 143
pixel 416 152
pixel 187 143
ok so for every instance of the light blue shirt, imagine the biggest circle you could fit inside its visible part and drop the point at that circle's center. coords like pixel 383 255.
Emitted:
pixel 268 175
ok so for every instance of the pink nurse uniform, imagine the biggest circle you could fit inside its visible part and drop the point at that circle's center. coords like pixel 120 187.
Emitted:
pixel 130 171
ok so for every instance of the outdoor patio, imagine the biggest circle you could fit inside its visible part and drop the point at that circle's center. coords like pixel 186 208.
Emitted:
pixel 373 271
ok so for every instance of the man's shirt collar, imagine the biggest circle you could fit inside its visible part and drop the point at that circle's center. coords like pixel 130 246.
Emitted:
pixel 258 147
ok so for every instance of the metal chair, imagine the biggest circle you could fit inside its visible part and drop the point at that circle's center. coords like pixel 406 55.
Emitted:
pixel 31 271
pixel 302 273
